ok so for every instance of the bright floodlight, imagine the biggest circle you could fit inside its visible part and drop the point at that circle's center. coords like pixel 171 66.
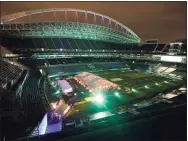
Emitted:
pixel 166 81
pixel 98 99
pixel 116 94
pixel 54 106
pixel 156 84
pixel 146 87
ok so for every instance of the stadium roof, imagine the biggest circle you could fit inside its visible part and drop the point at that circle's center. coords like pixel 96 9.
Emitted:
pixel 183 41
pixel 66 23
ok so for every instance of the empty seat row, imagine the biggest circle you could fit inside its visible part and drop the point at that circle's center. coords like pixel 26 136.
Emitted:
pixel 44 62
pixel 76 67
pixel 9 71
pixel 31 98
pixel 64 43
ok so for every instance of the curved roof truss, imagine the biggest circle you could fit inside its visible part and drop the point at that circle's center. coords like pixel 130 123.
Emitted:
pixel 96 18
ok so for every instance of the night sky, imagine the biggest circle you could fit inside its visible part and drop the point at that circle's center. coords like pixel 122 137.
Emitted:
pixel 165 21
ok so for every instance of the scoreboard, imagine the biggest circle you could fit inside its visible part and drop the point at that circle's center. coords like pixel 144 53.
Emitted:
pixel 170 58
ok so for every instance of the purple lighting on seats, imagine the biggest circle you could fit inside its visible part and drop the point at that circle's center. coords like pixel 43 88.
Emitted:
pixel 54 123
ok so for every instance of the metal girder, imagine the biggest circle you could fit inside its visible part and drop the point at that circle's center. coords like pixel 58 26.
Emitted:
pixel 11 22
pixel 13 17
pixel 67 30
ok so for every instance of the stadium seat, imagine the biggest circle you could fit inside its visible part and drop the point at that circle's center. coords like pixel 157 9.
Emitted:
pixel 9 72
pixel 33 97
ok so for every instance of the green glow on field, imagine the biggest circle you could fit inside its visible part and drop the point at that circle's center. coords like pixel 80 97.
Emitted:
pixel 100 115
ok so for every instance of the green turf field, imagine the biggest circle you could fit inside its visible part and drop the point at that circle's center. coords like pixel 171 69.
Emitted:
pixel 140 84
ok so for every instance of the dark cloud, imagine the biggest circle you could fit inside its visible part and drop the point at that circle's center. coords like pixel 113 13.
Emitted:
pixel 163 20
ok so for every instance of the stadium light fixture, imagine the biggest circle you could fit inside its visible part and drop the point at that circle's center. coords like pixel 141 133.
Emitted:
pixel 134 90
pixel 156 84
pixel 146 87
pixel 58 91
pixel 98 98
pixel 166 81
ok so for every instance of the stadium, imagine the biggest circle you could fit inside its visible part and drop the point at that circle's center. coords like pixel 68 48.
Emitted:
pixel 67 71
